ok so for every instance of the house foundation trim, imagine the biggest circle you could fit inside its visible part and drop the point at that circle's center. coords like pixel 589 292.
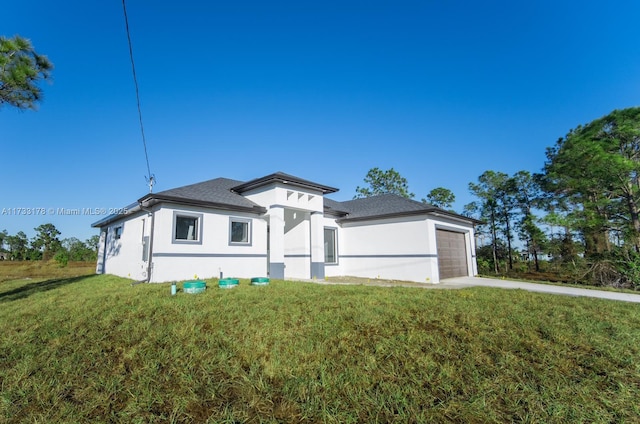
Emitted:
pixel 317 270
pixel 276 270
pixel 207 255
pixel 427 255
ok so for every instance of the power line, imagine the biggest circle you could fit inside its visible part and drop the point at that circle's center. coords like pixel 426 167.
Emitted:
pixel 150 178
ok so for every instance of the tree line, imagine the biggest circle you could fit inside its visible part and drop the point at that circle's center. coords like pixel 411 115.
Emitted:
pixel 46 245
pixel 577 220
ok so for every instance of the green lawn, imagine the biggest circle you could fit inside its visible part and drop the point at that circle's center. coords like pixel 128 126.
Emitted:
pixel 96 349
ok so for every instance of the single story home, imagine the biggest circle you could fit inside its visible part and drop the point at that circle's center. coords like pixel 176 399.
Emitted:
pixel 282 226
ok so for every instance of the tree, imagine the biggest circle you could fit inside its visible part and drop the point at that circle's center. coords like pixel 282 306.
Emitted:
pixel 46 240
pixel 528 195
pixel 3 236
pixel 496 192
pixel 486 254
pixel 486 210
pixel 18 245
pixel 383 182
pixel 77 250
pixel 534 237
pixel 440 197
pixel 93 242
pixel 595 170
pixel 21 68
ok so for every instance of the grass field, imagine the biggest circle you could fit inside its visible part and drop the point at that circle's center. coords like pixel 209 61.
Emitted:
pixel 96 349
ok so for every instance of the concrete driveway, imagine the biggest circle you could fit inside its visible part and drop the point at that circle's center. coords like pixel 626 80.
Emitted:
pixel 460 282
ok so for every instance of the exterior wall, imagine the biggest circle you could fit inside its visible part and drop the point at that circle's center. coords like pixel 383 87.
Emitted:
pixel 396 248
pixel 292 230
pixel 297 253
pixel 316 235
pixel 213 254
pixel 124 256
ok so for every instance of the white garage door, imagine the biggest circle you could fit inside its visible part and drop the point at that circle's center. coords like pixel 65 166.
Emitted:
pixel 452 254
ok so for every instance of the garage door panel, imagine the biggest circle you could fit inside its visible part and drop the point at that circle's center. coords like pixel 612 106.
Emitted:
pixel 452 254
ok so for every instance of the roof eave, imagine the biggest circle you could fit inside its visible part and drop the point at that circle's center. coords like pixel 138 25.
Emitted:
pixel 334 212
pixel 131 209
pixel 435 212
pixel 150 200
pixel 380 216
pixel 453 215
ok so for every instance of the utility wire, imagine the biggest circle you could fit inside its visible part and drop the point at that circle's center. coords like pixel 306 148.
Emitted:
pixel 150 178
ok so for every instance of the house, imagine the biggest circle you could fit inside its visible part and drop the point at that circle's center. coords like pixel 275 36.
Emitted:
pixel 282 226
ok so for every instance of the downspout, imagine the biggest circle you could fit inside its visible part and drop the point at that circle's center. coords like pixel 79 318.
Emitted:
pixel 104 250
pixel 310 248
pixel 150 253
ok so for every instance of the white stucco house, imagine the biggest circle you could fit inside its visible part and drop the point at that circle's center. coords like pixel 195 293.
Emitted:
pixel 283 226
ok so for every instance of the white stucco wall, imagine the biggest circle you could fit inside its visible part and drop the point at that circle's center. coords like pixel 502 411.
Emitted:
pixel 123 256
pixel 297 252
pixel 212 253
pixel 287 196
pixel 289 208
pixel 396 248
pixel 401 248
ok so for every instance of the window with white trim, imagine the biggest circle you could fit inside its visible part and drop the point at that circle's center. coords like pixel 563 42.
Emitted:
pixel 117 232
pixel 187 228
pixel 239 231
pixel 330 246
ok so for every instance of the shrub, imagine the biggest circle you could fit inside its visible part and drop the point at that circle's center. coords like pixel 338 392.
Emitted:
pixel 62 257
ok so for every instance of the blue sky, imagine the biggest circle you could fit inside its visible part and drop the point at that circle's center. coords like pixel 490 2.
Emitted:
pixel 439 90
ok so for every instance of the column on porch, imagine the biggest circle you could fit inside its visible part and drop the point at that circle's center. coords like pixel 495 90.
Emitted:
pixel 276 242
pixel 317 245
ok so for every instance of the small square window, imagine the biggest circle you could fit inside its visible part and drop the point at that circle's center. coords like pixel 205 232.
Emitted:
pixel 117 232
pixel 186 228
pixel 239 231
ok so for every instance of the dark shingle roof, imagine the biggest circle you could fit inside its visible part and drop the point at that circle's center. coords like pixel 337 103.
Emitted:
pixel 222 193
pixel 385 206
pixel 334 208
pixel 216 192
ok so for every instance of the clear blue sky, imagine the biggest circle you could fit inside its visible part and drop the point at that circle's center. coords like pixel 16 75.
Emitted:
pixel 439 90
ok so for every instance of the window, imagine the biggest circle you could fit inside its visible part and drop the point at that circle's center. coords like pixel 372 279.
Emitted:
pixel 239 231
pixel 117 232
pixel 187 228
pixel 330 246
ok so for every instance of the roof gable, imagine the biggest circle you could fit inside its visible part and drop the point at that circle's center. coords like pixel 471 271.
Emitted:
pixel 281 177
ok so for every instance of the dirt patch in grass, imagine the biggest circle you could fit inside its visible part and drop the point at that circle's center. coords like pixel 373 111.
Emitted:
pixel 15 270
pixel 380 282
